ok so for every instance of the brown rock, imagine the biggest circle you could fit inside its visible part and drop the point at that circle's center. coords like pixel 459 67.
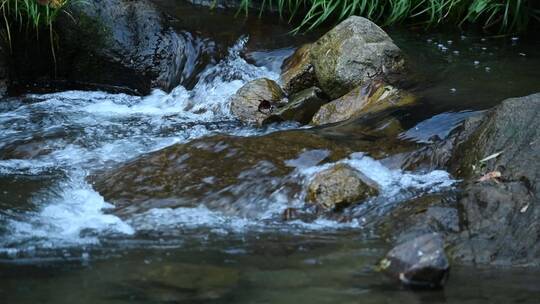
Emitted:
pixel 339 186
pixel 362 100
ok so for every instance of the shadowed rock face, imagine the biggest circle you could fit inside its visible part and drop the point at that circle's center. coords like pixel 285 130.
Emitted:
pixel 301 107
pixel 113 43
pixel 495 217
pixel 298 72
pixel 353 53
pixel 501 216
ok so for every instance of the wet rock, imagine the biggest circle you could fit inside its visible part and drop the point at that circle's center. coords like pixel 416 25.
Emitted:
pixel 439 154
pixel 228 173
pixel 352 54
pixel 495 217
pixel 372 98
pixel 301 107
pixel 298 72
pixel 339 186
pixel 501 216
pixel 256 100
pixel 118 43
pixel 419 216
pixel 420 262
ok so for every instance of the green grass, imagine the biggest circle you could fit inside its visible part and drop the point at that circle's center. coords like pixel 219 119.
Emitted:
pixel 30 14
pixel 505 16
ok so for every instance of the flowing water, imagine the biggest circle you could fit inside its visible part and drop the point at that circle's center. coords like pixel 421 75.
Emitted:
pixel 59 242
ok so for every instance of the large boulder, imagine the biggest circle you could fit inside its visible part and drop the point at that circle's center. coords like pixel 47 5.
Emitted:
pixel 420 262
pixel 494 218
pixel 256 100
pixel 371 98
pixel 112 43
pixel 500 205
pixel 339 186
pixel 352 54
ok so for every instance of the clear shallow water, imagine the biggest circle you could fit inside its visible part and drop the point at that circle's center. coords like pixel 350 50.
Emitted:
pixel 56 234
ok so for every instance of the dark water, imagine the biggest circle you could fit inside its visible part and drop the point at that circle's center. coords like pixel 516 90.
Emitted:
pixel 58 246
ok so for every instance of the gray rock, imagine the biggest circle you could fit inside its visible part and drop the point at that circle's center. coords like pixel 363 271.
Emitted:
pixel 353 53
pixel 420 262
pixel 256 100
pixel 301 107
pixel 497 206
pixel 137 37
pixel 339 186
pixel 500 216
pixel 374 97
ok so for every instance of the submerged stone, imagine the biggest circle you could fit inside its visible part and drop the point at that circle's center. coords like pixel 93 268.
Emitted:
pixel 227 173
pixel 352 54
pixel 256 100
pixel 420 262
pixel 340 186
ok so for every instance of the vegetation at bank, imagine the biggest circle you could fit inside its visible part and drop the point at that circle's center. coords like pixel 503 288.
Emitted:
pixel 29 14
pixel 505 16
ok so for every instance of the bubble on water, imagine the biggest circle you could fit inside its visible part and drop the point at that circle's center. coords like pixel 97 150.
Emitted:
pixel 476 62
pixel 453 90
pixel 487 69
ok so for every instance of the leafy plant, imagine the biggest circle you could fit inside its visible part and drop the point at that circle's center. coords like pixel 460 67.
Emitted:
pixel 507 15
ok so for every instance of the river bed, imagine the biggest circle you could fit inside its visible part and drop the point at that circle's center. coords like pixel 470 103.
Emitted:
pixel 60 243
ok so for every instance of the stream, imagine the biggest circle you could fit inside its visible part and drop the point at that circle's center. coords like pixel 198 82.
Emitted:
pixel 61 242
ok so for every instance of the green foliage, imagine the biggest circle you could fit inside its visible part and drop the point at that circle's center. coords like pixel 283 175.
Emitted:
pixel 30 13
pixel 503 15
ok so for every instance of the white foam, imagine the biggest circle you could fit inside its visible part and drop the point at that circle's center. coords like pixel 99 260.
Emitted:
pixel 100 127
pixel 64 216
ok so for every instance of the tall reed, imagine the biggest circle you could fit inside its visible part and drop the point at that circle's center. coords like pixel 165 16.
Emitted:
pixel 496 15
